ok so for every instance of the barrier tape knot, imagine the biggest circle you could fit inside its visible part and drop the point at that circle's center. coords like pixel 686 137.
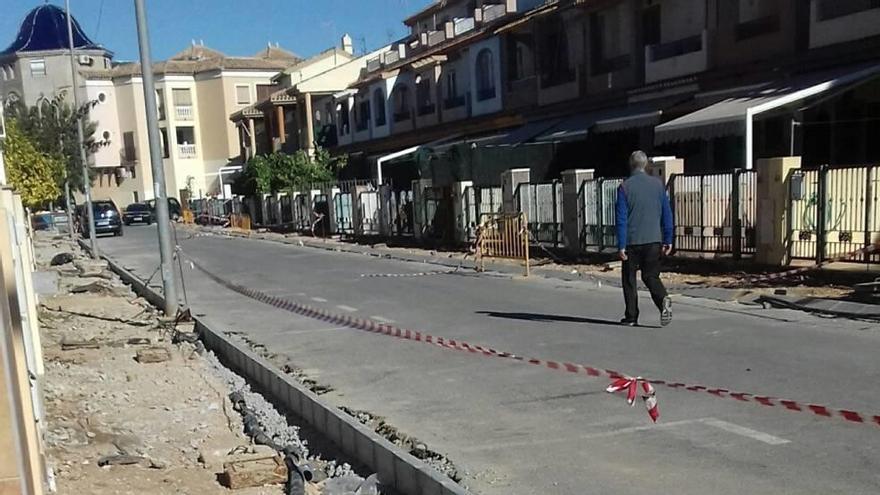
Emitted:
pixel 631 385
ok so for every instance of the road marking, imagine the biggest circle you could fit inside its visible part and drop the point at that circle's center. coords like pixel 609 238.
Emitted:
pixel 348 309
pixel 382 319
pixel 588 436
pixel 746 432
pixel 319 299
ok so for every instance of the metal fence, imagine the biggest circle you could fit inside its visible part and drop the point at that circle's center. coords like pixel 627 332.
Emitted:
pixel 597 199
pixel 542 205
pixel 479 203
pixel 368 206
pixel 342 213
pixel 400 209
pixel 834 211
pixel 715 213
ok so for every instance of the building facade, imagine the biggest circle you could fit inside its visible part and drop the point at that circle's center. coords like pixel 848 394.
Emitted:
pixel 580 84
pixel 196 90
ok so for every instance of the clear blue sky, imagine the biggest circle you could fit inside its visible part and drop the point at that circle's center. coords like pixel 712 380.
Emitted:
pixel 235 27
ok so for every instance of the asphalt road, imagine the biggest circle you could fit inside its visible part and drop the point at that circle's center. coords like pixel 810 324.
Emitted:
pixel 512 428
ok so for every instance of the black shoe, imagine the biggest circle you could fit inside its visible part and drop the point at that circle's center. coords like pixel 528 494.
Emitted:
pixel 629 322
pixel 666 312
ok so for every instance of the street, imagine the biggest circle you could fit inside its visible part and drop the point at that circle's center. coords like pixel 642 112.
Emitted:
pixel 512 428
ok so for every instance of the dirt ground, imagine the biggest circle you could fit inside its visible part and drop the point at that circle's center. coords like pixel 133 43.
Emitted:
pixel 173 418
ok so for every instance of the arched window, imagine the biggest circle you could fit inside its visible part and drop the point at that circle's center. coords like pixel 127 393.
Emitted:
pixel 402 104
pixel 485 75
pixel 379 106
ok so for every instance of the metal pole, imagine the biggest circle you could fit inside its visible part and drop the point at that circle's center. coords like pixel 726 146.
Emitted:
pixel 162 218
pixel 87 182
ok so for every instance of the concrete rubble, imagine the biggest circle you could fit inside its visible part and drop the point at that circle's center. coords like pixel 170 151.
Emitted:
pixel 117 425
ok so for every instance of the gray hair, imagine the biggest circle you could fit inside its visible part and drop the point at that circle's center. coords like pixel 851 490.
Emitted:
pixel 638 160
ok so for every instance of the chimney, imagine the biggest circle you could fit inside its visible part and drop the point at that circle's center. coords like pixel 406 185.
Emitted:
pixel 347 44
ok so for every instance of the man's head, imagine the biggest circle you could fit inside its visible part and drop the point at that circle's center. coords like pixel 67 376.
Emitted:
pixel 638 161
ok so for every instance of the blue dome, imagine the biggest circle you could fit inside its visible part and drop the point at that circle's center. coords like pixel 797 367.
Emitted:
pixel 45 28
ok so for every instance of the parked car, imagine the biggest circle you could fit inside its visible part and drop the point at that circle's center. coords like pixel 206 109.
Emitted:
pixel 107 218
pixel 137 213
pixel 174 208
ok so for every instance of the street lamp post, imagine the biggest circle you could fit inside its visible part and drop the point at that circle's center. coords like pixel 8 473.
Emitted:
pixel 162 218
pixel 87 182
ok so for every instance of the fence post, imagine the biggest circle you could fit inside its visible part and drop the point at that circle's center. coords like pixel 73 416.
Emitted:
pixel 670 190
pixel 573 219
pixel 821 213
pixel 736 214
pixel 773 209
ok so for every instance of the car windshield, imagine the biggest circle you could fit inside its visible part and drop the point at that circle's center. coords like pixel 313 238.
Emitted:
pixel 137 208
pixel 101 208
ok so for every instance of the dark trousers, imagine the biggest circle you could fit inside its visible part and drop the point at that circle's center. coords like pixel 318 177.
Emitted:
pixel 647 258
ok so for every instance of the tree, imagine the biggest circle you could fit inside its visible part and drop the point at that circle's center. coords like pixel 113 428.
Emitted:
pixel 280 171
pixel 34 174
pixel 52 127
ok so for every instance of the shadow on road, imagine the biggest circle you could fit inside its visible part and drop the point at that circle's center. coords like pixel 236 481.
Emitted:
pixel 539 317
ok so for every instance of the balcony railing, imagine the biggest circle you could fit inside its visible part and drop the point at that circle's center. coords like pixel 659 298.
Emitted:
pixel 436 37
pixel 183 112
pixel 374 64
pixel 427 109
pixel 757 27
pixel 494 11
pixel 464 25
pixel 186 151
pixel 676 48
pixel 402 116
pixel 832 9
pixel 392 57
pixel 454 102
pixel 608 65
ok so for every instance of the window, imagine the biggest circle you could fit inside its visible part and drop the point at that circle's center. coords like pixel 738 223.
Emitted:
pixel 651 25
pixel 424 100
pixel 607 53
pixel 402 108
pixel 264 91
pixel 160 103
pixel 163 137
pixel 129 152
pixel 363 113
pixel 343 115
pixel 181 97
pixel 451 84
pixel 554 56
pixel 243 94
pixel 485 75
pixel 134 197
pixel 379 106
pixel 38 67
pixel 185 135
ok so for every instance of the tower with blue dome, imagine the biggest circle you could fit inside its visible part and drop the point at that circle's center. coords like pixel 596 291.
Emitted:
pixel 36 64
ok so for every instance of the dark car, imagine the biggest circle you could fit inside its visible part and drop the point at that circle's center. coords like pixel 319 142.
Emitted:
pixel 107 218
pixel 137 213
pixel 174 208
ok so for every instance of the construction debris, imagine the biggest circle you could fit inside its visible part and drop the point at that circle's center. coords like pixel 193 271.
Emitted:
pixel 61 259
pixel 153 355
pixel 254 472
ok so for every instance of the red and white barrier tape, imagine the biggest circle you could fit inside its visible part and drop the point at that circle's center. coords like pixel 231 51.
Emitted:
pixel 621 381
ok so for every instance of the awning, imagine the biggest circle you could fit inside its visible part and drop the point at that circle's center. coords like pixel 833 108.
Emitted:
pixel 615 119
pixel 731 116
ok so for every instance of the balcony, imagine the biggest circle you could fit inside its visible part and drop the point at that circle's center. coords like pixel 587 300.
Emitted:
pixel 436 37
pixel 454 102
pixel 839 21
pixel 677 58
pixel 465 25
pixel 757 27
pixel 186 151
pixel 183 112
pixel 392 57
pixel 374 64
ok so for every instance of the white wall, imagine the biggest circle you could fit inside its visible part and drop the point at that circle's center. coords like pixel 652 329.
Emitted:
pixel 841 29
pixel 107 117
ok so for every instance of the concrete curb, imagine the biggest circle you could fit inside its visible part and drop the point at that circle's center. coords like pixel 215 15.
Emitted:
pixel 396 467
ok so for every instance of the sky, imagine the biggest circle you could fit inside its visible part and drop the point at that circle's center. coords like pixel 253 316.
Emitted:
pixel 234 27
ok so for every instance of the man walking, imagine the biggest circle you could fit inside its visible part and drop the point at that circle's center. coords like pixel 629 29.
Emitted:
pixel 644 230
